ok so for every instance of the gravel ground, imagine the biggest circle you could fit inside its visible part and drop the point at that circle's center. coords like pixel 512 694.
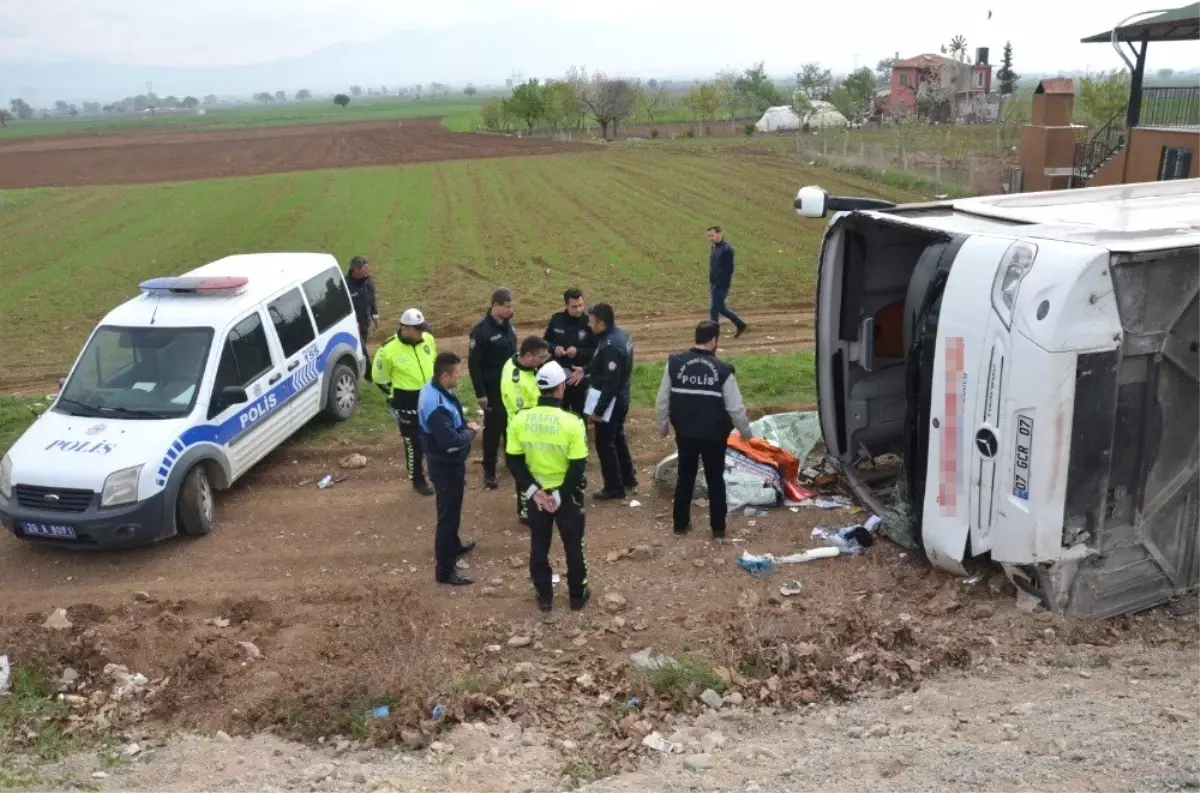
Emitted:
pixel 1113 721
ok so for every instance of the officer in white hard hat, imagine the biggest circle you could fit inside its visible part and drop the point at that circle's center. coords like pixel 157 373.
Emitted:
pixel 401 368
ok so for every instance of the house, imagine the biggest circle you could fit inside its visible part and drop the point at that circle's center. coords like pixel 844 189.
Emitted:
pixel 1155 137
pixel 939 80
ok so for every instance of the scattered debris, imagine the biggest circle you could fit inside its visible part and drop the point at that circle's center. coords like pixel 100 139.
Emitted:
pixel 647 659
pixel 353 462
pixel 712 699
pixel 520 641
pixel 756 564
pixel 614 602
pixel 439 710
pixel 790 588
pixel 131 750
pixel 142 596
pixel 67 678
pixel 833 502
pixel 224 737
pixel 698 763
pixel 325 481
pixel 99 775
pixel 854 539
pixel 658 743
pixel 251 649
pixel 57 620
pixel 635 503
pixel 218 622
pixel 125 685
pixel 5 676
pixel 751 512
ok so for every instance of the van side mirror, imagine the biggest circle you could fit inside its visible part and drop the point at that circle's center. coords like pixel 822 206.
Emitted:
pixel 230 396
pixel 810 202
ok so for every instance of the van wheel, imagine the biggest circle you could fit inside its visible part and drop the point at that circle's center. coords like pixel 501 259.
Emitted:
pixel 196 508
pixel 342 400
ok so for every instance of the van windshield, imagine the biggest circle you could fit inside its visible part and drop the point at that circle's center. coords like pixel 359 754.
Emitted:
pixel 138 373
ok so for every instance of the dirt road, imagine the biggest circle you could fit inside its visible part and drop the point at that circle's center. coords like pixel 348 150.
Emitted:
pixel 1091 722
pixel 131 157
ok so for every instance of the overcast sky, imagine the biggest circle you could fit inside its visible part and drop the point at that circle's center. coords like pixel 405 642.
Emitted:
pixel 784 33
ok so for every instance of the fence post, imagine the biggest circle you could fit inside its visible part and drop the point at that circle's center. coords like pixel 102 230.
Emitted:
pixel 862 152
pixel 824 147
pixel 937 165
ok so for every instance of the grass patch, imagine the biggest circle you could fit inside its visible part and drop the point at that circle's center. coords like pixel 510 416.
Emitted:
pixel 16 414
pixel 684 680
pixel 30 717
pixel 580 772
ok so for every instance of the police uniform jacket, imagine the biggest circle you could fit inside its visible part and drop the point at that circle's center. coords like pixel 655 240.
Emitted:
pixel 612 369
pixel 492 344
pixel 547 450
pixel 566 331
pixel 401 368
pixel 700 398
pixel 518 387
pixel 444 431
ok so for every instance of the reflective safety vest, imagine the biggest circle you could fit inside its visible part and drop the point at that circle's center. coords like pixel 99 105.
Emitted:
pixel 518 387
pixel 550 438
pixel 402 366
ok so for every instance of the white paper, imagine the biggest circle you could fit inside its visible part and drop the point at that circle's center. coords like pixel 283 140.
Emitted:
pixel 593 399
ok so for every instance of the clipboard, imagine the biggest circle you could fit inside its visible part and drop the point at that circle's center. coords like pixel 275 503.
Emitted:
pixel 593 399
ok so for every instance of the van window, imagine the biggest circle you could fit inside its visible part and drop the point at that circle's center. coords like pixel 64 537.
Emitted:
pixel 247 355
pixel 328 299
pixel 290 317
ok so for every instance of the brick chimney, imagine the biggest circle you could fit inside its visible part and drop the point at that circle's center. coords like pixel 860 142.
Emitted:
pixel 1048 141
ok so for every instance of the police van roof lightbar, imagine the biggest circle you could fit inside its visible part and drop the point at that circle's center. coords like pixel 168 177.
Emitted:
pixel 219 286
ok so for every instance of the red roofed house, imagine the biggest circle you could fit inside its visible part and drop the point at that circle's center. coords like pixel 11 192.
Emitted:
pixel 939 80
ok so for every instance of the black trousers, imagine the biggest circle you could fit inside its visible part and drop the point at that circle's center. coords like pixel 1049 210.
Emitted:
pixel 570 520
pixel 691 453
pixel 405 404
pixel 575 398
pixel 450 484
pixel 616 464
pixel 495 424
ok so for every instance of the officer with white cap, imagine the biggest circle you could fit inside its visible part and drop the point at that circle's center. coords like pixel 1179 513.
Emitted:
pixel 547 455
pixel 401 368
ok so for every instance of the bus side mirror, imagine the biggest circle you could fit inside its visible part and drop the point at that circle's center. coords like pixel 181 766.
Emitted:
pixel 811 202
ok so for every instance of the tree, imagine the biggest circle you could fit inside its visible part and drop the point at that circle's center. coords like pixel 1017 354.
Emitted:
pixel 813 81
pixel 609 100
pixel 341 100
pixel 704 100
pixel 560 104
pixel 72 111
pixel 61 107
pixel 733 100
pixel 859 92
pixel 265 97
pixel 650 101
pixel 21 109
pixel 1104 96
pixel 525 103
pixel 280 96
pixel 494 118
pixel 469 90
pixel 356 90
pixel 958 48
pixel 191 102
pixel 303 95
pixel 756 88
pixel 211 99
pixel 108 109
pixel 883 70
pixel 1166 74
pixel 1007 77
pixel 91 108
pixel 170 102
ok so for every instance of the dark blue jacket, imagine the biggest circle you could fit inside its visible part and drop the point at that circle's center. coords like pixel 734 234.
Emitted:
pixel 720 264
pixel 444 431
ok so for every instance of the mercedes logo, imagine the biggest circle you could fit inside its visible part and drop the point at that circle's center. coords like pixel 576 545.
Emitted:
pixel 986 443
pixel 51 497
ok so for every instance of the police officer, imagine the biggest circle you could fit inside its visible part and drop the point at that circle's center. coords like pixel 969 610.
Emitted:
pixel 493 341
pixel 547 455
pixel 402 367
pixel 519 391
pixel 572 344
pixel 362 297
pixel 447 436
pixel 609 373
pixel 700 398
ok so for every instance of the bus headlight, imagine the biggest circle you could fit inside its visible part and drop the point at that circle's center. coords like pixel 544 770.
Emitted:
pixel 1014 266
pixel 121 487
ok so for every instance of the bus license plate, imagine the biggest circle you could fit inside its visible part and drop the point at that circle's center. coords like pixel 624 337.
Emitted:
pixel 48 530
pixel 1023 450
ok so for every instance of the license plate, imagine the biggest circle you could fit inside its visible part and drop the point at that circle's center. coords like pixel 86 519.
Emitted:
pixel 1023 449
pixel 48 530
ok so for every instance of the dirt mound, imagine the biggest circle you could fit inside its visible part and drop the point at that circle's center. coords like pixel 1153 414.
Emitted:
pixel 130 157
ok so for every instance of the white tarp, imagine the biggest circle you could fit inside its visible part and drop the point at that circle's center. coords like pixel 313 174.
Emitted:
pixel 825 116
pixel 783 118
pixel 778 119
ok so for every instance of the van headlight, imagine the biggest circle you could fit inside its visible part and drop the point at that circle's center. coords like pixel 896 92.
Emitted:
pixel 121 487
pixel 6 477
pixel 1014 266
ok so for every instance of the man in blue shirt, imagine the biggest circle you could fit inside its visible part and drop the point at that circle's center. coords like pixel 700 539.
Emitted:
pixel 720 279
pixel 447 436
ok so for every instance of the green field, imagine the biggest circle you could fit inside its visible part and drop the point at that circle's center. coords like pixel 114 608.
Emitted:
pixel 460 112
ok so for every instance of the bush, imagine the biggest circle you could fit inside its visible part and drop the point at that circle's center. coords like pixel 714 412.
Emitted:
pixel 749 129
pixel 684 680
pixel 654 132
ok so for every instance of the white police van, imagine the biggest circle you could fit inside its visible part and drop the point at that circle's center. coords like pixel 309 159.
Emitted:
pixel 177 393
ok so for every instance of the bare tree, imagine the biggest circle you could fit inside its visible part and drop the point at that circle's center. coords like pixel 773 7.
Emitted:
pixel 609 100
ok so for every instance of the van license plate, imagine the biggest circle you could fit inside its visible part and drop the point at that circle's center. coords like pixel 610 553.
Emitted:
pixel 48 530
pixel 1023 450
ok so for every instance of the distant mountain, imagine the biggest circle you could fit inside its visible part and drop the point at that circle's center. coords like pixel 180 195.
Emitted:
pixel 454 55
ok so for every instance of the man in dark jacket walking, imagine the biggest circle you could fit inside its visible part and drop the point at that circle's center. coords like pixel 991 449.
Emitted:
pixel 493 342
pixel 720 279
pixel 572 344
pixel 700 398
pixel 447 436
pixel 362 297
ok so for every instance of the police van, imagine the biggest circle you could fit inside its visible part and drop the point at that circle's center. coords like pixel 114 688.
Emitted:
pixel 1033 361
pixel 178 393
